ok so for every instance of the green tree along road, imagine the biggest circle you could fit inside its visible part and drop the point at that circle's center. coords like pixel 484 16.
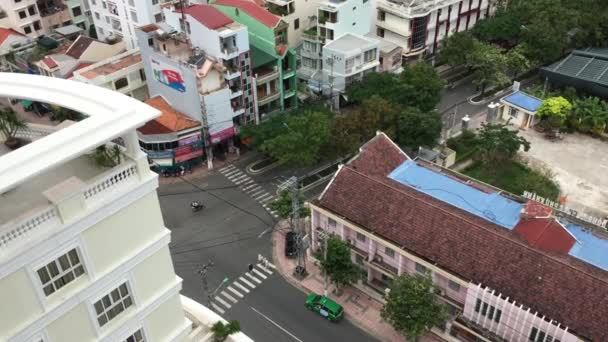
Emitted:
pixel 338 264
pixel 417 128
pixel 283 205
pixel 412 307
pixel 554 111
pixel 497 144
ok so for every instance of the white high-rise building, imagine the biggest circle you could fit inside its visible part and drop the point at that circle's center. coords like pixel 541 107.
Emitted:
pixel 119 18
pixel 83 249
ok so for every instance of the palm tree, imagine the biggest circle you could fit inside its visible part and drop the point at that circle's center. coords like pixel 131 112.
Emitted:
pixel 10 124
pixel 221 331
pixel 592 113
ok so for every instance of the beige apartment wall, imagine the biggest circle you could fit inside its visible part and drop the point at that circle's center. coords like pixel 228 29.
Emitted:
pixel 75 325
pixel 19 302
pixel 162 323
pixel 154 275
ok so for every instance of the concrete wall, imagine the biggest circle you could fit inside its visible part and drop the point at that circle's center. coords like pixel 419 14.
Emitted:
pixel 99 51
pixel 76 324
pixel 260 35
pixel 219 111
pixel 19 295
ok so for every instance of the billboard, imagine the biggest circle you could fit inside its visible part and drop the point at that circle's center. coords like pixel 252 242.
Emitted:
pixel 167 75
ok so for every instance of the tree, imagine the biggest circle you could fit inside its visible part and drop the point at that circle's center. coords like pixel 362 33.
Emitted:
pixel 489 66
pixel 422 87
pixel 554 110
pixel 221 331
pixel 301 140
pixel 352 129
pixel 256 135
pixel 412 307
pixel 283 205
pixel 10 124
pixel 516 62
pixel 383 84
pixel 504 28
pixel 497 144
pixel 417 128
pixel 456 47
pixel 338 265
pixel 592 114
pixel 107 157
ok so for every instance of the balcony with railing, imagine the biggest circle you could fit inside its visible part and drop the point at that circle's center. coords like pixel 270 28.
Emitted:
pixel 266 74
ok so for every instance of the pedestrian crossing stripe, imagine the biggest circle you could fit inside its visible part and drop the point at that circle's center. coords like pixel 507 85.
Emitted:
pixel 223 302
pixel 225 294
pixel 231 289
pixel 257 198
pixel 268 200
pixel 243 288
pixel 250 186
pixel 253 278
pixel 227 168
pixel 257 192
pixel 241 182
pixel 237 177
pixel 217 308
pixel 248 181
pixel 247 282
pixel 264 268
pixel 232 172
pixel 271 265
pixel 259 274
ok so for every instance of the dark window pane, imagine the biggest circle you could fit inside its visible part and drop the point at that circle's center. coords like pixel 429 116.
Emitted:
pixel 123 290
pixel 98 307
pixel 74 257
pixel 78 271
pixel 48 290
pixel 102 320
pixel 44 275
pixel 491 313
pixel 64 263
pixel 59 283
pixel 533 334
pixel 115 296
pixel 138 336
pixel 52 267
pixel 68 277
pixel 497 317
pixel 128 302
pixel 106 302
pixel 484 309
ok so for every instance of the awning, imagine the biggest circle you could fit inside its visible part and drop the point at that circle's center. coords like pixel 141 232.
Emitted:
pixel 26 103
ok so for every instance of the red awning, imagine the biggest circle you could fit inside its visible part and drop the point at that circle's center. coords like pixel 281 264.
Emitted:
pixel 188 156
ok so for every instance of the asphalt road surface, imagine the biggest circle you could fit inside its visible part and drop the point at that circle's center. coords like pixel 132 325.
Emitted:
pixel 231 232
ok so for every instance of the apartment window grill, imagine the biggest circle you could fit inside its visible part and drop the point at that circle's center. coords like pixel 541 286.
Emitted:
pixel 488 311
pixel 137 336
pixel 419 32
pixel 361 237
pixel 60 272
pixel 112 304
pixel 389 252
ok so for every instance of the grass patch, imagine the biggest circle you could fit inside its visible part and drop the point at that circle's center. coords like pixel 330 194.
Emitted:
pixel 262 164
pixel 465 145
pixel 516 178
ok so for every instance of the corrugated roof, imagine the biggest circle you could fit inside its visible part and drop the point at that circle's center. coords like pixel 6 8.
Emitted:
pixel 208 16
pixel 523 100
pixel 170 121
pixel 591 248
pixel 590 64
pixel 254 10
pixel 490 206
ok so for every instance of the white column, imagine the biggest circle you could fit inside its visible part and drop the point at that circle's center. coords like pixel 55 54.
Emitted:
pixel 370 249
pixel 400 265
pixel 342 232
pixel 313 225
pixel 132 144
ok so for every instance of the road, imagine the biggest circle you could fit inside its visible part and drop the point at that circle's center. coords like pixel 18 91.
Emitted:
pixel 231 231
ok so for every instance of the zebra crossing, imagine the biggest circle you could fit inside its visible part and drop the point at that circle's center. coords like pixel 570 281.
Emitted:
pixel 241 286
pixel 250 187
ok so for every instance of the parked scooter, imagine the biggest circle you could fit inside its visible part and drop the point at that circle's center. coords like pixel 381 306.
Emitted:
pixel 196 206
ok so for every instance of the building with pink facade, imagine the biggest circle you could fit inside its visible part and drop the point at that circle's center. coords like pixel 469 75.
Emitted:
pixel 509 269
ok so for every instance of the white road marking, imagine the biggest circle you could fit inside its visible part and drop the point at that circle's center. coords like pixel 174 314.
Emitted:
pixel 276 324
pixel 247 282
pixel 217 308
pixel 271 265
pixel 226 169
pixel 232 172
pixel 264 269
pixel 260 274
pixel 225 294
pixel 264 232
pixel 223 302
pixel 243 288
pixel 240 177
pixel 267 199
pixel 241 181
pixel 251 187
pixel 253 278
pixel 257 192
pixel 265 194
pixel 231 289
pixel 248 181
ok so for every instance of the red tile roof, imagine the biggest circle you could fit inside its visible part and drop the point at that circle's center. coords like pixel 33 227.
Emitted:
pixel 170 121
pixel 253 9
pixel 546 234
pixel 80 66
pixel 80 45
pixel 559 286
pixel 7 32
pixel 535 209
pixel 207 15
pixel 49 62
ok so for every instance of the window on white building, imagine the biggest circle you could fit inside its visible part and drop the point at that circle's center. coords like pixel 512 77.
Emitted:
pixel 22 15
pixel 134 16
pixel 107 19
pixel 100 31
pixel 31 10
pixel 350 63
pixel 154 2
pixel 537 335
pixel 60 272
pixel 389 252
pixel 310 46
pixel 142 75
pixel 76 11
pixel 296 24
pixel 137 336
pixel 93 2
pixel 121 83
pixel 361 237
pixel 112 304
pixel 369 55
pixel 331 223
pixel 422 269
pixel 309 62
pixel 513 112
pixel 104 4
pixel 132 3
pixel 158 17
pixel 488 311
pixel 454 285
pixel 37 25
pixel 97 16
pixel 359 259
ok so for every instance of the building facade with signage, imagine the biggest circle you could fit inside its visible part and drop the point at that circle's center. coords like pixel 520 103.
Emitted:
pixel 508 268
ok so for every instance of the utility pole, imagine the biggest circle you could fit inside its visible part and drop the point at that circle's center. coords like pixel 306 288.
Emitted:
pixel 203 273
pixel 325 238
pixel 300 270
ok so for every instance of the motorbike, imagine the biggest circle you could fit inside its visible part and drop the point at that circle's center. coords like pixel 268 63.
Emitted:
pixel 196 206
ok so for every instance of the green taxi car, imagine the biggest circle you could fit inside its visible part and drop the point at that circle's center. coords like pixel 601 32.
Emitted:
pixel 324 307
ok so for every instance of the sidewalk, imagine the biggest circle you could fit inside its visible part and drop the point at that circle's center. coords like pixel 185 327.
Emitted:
pixel 359 308
pixel 202 171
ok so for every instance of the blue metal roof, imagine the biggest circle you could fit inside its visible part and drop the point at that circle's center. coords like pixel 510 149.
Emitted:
pixel 589 247
pixel 523 100
pixel 489 206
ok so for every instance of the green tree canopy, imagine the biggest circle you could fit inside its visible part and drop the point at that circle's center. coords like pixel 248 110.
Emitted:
pixel 383 84
pixel 455 48
pixel 504 28
pixel 421 87
pixel 302 139
pixel 10 123
pixel 497 143
pixel 338 264
pixel 417 128
pixel 283 205
pixel 555 110
pixel 352 129
pixel 592 114
pixel 489 66
pixel 412 307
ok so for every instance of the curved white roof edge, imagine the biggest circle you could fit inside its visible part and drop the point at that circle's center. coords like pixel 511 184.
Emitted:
pixel 110 114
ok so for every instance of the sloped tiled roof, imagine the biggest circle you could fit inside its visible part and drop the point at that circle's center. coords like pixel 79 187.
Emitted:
pixel 170 121
pixel 80 66
pixel 556 285
pixel 7 32
pixel 80 45
pixel 208 16
pixel 253 9
pixel 546 234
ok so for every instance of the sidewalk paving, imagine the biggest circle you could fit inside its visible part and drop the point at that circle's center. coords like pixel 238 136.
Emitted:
pixel 360 308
